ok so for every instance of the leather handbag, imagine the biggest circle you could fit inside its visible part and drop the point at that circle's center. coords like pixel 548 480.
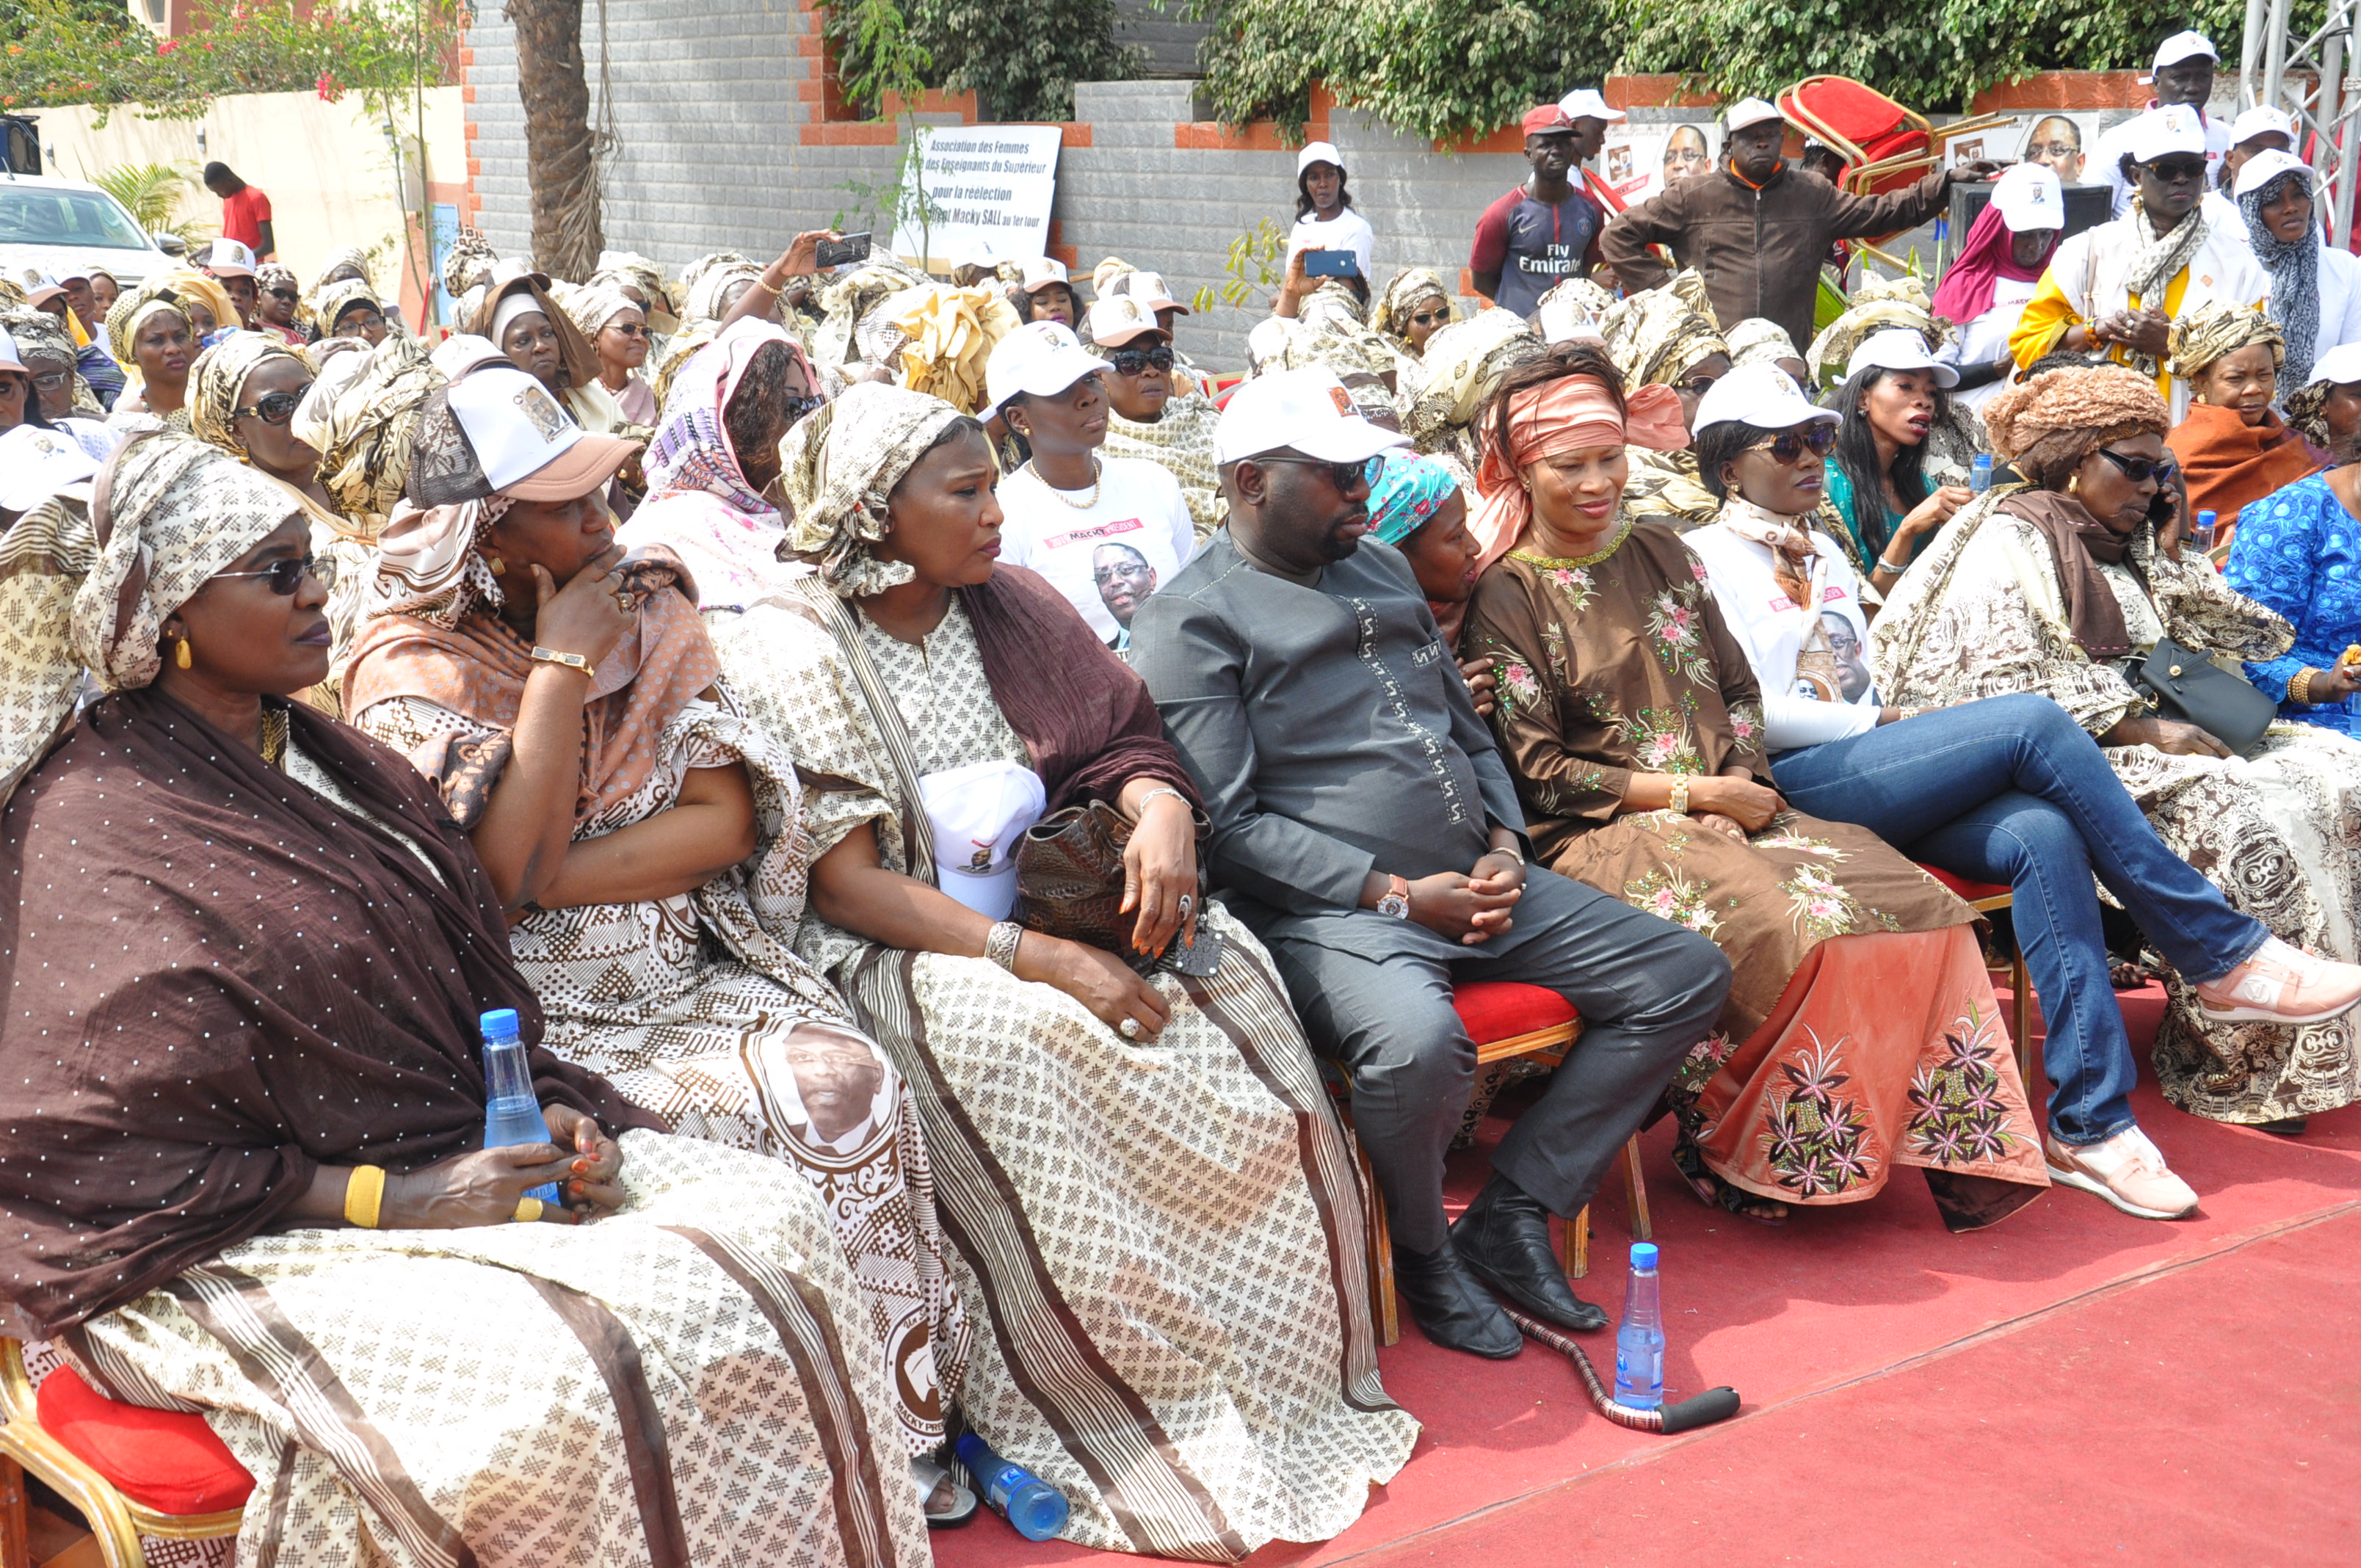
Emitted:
pixel 1070 880
pixel 2193 689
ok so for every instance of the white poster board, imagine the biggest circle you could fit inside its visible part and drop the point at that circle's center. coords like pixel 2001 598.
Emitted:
pixel 1634 157
pixel 989 184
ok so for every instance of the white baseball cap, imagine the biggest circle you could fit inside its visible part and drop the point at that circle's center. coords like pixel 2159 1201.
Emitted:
pixel 41 288
pixel 2262 120
pixel 2160 133
pixel 1043 271
pixel 1149 289
pixel 2268 165
pixel 1763 396
pixel 1318 153
pixel 2340 365
pixel 1585 103
pixel 2184 46
pixel 977 252
pixel 1305 409
pixel 229 258
pixel 1042 358
pixel 976 815
pixel 515 439
pixel 9 358
pixel 1750 111
pixel 2029 197
pixel 1119 318
pixel 1897 349
pixel 35 463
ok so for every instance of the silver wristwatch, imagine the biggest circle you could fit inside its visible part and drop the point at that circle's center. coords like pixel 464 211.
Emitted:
pixel 1396 901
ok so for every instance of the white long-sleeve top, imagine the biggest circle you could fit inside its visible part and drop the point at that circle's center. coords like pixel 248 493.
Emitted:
pixel 1770 627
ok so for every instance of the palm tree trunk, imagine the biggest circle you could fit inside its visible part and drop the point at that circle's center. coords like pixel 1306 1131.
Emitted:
pixel 560 151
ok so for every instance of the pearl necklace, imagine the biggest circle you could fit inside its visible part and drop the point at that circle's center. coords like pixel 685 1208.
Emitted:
pixel 1098 477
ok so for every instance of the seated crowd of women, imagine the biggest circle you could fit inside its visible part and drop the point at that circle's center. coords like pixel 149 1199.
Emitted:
pixel 724 800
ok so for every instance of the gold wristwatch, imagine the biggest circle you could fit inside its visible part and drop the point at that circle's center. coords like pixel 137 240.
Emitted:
pixel 552 656
pixel 1396 901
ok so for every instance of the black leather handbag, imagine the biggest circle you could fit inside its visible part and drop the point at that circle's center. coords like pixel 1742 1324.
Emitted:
pixel 2193 689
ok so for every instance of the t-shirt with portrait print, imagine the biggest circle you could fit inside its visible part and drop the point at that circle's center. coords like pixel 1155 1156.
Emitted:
pixel 1131 540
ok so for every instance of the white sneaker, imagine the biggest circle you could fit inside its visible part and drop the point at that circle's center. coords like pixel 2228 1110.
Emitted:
pixel 2127 1170
pixel 2281 985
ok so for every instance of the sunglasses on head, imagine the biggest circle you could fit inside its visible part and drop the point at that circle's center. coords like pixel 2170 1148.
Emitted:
pixel 273 408
pixel 1135 361
pixel 286 576
pixel 1787 447
pixel 2139 469
pixel 1341 475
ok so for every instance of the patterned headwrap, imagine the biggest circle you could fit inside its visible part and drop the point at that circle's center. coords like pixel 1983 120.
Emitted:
pixel 1389 313
pixel 277 274
pixel 593 306
pixel 338 298
pixel 691 450
pixel 625 268
pixel 91 588
pixel 1758 340
pixel 136 306
pixel 216 377
pixel 706 278
pixel 39 336
pixel 2201 336
pixel 2049 425
pixel 1654 337
pixel 1879 303
pixel 364 440
pixel 842 462
pixel 1408 495
pixel 469 262
pixel 351 256
pixel 946 336
pixel 1464 364
pixel 2307 411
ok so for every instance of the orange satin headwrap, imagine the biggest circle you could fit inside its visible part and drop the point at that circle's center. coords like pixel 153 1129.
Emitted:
pixel 1575 411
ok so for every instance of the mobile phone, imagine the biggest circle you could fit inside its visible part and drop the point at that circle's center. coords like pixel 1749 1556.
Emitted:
pixel 1330 264
pixel 836 252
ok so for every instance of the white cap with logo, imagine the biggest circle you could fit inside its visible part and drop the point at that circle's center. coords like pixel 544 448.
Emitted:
pixel 1043 271
pixel 2268 165
pixel 2341 365
pixel 514 439
pixel 1149 289
pixel 1306 410
pixel 1762 395
pixel 35 464
pixel 1897 349
pixel 1042 358
pixel 2160 133
pixel 2262 120
pixel 2190 45
pixel 230 258
pixel 1750 111
pixel 2029 197
pixel 1117 319
pixel 1585 103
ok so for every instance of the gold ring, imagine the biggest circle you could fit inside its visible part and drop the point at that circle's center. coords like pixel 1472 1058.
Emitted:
pixel 528 1209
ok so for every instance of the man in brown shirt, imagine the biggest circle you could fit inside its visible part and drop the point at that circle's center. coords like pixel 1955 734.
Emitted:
pixel 1756 229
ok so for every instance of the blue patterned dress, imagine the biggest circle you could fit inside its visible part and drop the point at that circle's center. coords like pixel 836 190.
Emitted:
pixel 2299 550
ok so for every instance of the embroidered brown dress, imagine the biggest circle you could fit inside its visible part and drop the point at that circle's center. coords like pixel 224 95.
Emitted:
pixel 1860 1031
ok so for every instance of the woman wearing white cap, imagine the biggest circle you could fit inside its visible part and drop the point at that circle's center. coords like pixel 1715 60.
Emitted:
pixel 2116 288
pixel 1894 392
pixel 2315 297
pixel 2006 789
pixel 1325 218
pixel 1069 499
pixel 1047 294
pixel 1999 264
pixel 2182 74
pixel 2259 130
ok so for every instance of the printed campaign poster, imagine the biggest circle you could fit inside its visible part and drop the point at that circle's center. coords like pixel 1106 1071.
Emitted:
pixel 1637 160
pixel 992 184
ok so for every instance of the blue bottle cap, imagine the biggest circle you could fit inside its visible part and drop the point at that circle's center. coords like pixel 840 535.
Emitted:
pixel 2204 520
pixel 1984 460
pixel 500 1024
pixel 1643 1254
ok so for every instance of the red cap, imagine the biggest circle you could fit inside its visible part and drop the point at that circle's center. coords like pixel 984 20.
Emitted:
pixel 1548 118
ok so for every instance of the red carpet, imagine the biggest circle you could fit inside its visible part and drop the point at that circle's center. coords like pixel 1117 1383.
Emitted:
pixel 2072 1386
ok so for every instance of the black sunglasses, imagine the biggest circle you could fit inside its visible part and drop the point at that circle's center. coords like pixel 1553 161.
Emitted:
pixel 1787 447
pixel 286 576
pixel 1429 318
pixel 630 330
pixel 1135 361
pixel 287 294
pixel 2172 168
pixel 797 407
pixel 1341 475
pixel 274 408
pixel 2163 470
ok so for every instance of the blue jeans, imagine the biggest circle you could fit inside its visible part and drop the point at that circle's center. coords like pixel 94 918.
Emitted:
pixel 2011 790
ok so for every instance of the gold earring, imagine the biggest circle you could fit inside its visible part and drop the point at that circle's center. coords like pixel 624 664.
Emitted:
pixel 180 652
pixel 2073 484
pixel 500 567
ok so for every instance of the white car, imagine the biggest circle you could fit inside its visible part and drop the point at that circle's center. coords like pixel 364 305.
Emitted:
pixel 49 226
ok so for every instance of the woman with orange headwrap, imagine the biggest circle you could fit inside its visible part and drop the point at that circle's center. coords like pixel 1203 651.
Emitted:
pixel 1860 1032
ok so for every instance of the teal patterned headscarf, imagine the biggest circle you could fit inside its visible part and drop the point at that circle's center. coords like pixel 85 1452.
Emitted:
pixel 1410 491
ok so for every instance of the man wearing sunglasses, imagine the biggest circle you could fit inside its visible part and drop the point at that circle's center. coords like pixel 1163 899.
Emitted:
pixel 2116 289
pixel 1365 825
pixel 2181 74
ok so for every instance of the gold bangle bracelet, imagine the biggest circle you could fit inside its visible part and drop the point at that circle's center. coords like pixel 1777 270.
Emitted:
pixel 1679 802
pixel 364 1196
pixel 2299 686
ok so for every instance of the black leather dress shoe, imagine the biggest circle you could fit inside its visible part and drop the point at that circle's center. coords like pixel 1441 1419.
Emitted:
pixel 1450 1307
pixel 1504 1238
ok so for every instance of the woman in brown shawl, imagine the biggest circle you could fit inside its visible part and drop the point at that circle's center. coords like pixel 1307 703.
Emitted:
pixel 1860 1032
pixel 1146 1185
pixel 242 1167
pixel 643 838
pixel 2233 448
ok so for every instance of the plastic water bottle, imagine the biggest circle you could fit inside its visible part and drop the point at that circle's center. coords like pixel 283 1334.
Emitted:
pixel 1980 473
pixel 2202 534
pixel 512 1110
pixel 1036 1509
pixel 1640 1340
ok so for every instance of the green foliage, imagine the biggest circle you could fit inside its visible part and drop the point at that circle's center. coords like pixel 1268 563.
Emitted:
pixel 1442 67
pixel 152 193
pixel 888 61
pixel 1253 271
pixel 1021 61
pixel 72 51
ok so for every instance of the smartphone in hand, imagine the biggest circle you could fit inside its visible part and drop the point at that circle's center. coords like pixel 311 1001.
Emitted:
pixel 1330 264
pixel 836 252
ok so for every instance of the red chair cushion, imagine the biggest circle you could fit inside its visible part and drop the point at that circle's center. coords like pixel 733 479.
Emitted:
pixel 167 1460
pixel 1854 110
pixel 1970 890
pixel 1502 1009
